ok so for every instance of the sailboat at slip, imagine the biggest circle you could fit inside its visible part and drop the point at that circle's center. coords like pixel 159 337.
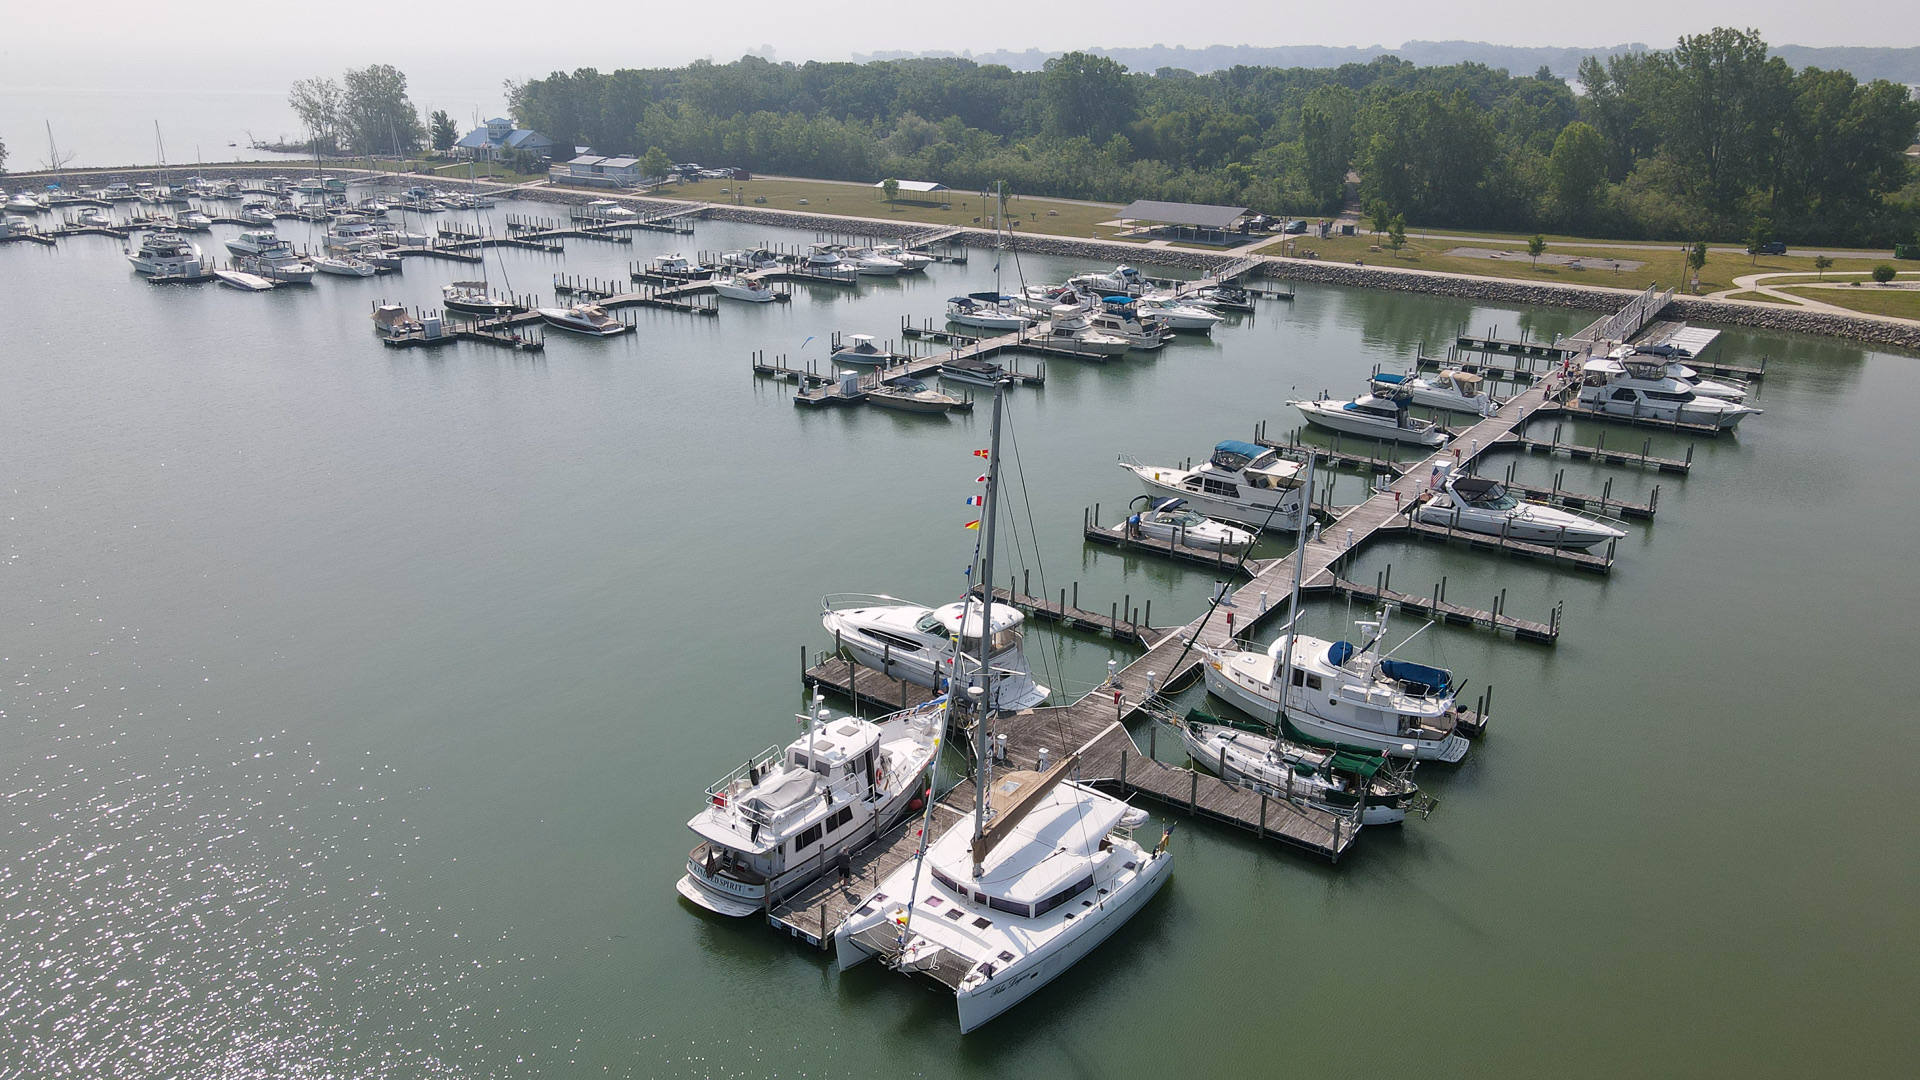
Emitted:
pixel 991 310
pixel 1016 893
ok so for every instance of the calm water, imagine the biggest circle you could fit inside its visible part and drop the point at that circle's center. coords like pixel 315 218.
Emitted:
pixel 357 700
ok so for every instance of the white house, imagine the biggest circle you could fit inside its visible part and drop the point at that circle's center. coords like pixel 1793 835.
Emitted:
pixel 500 140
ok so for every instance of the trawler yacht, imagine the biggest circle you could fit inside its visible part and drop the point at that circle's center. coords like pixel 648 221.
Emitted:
pixel 1472 504
pixel 260 242
pixel 1676 368
pixel 1371 416
pixel 754 259
pixel 911 262
pixel 778 822
pixel 1178 315
pixel 1121 316
pixel 1343 694
pixel 915 643
pixel 1242 482
pixel 167 254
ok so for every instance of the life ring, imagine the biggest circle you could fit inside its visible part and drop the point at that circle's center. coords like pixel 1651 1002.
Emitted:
pixel 879 774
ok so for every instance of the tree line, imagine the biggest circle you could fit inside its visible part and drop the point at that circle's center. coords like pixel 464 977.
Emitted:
pixel 1712 138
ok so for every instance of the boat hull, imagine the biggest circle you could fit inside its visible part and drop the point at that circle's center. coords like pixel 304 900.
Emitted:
pixel 1344 422
pixel 1209 756
pixel 1578 536
pixel 1451 748
pixel 1254 517
pixel 908 404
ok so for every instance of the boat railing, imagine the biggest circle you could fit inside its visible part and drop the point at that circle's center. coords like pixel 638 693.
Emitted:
pixel 845 600
pixel 720 791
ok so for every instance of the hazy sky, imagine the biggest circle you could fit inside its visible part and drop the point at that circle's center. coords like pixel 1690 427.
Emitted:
pixel 608 33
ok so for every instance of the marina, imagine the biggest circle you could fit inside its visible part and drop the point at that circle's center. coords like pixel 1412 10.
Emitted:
pixel 1174 401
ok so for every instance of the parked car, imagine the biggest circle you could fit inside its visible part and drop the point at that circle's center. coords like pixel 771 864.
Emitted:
pixel 1775 248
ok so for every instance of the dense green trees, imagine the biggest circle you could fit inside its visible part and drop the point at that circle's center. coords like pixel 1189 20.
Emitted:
pixel 441 130
pixel 1697 141
pixel 366 112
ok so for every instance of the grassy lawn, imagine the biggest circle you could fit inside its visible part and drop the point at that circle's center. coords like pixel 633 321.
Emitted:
pixel 1904 303
pixel 1667 269
pixel 862 200
pixel 1555 238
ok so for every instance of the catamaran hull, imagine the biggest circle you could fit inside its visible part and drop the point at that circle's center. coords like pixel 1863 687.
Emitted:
pixel 988 1000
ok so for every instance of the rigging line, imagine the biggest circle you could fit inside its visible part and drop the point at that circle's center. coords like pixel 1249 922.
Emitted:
pixel 1059 667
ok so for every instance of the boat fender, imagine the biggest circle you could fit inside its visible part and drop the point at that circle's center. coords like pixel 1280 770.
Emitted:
pixel 916 805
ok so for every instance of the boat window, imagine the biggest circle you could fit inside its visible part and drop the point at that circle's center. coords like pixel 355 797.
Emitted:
pixel 808 837
pixel 1004 640
pixel 1313 682
pixel 931 624
pixel 1194 483
pixel 1217 487
pixel 1662 395
pixel 1299 677
pixel 998 904
pixel 1064 895
pixel 800 759
pixel 1624 394
pixel 1496 497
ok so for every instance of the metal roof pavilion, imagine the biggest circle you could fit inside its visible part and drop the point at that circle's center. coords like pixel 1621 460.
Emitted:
pixel 918 186
pixel 1198 215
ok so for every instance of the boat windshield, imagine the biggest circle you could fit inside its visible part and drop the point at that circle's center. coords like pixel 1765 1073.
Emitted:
pixel 1496 497
pixel 1187 518
pixel 931 624
pixel 1002 641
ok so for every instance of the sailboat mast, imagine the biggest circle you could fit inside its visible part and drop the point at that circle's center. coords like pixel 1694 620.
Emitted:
pixel 990 511
pixel 999 238
pixel 1293 596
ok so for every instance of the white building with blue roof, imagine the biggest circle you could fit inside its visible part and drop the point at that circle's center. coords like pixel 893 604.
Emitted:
pixel 500 140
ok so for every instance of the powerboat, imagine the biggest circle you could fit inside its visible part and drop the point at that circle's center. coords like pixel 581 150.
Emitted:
pixel 1171 520
pixel 343 267
pixel 911 395
pixel 1472 504
pixel 755 259
pixel 904 640
pixel 257 214
pixel 1242 482
pixel 972 369
pixel 1343 694
pixel 911 262
pixel 1456 391
pixel 259 242
pixel 352 232
pixel 1122 279
pixel 1178 315
pixel 1676 368
pixel 863 351
pixel 283 268
pixel 475 298
pixel 1077 334
pixel 395 321
pixel 677 265
pixel 1010 899
pixel 1373 417
pixel 870 263
pixel 735 287
pixel 94 217
pixel 986 311
pixel 1324 777
pixel 589 319
pixel 608 208
pixel 1624 387
pixel 165 253
pixel 24 202
pixel 1121 317
pixel 240 279
pixel 1016 893
pixel 192 221
pixel 824 257
pixel 777 823
pixel 1223 298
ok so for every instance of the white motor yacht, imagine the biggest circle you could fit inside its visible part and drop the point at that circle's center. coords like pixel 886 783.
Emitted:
pixel 94 217
pixel 1676 368
pixel 1330 779
pixel 777 823
pixel 1373 417
pixel 1077 333
pixel 1242 482
pixel 281 268
pixel 1343 694
pixel 349 233
pixel 755 259
pixel 1170 520
pixel 608 208
pixel 257 214
pixel 677 265
pixel 340 266
pixel 1122 279
pixel 908 641
pixel 972 369
pixel 589 319
pixel 1180 316
pixel 475 298
pixel 1121 316
pixel 1472 504
pixel 165 253
pixel 1457 391
pixel 871 263
pixel 911 262
pixel 824 257
pixel 986 311
pixel 258 242
pixel 25 202
pixel 735 287
pixel 1624 387
pixel 911 395
pixel 995 912
pixel 192 221
pixel 860 349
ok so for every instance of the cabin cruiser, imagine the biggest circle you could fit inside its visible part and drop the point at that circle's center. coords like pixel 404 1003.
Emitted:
pixel 589 319
pixel 1373 417
pixel 343 267
pixel 1472 504
pixel 257 213
pixel 165 253
pixel 1172 521
pixel 15 225
pixel 1457 391
pixel 119 191
pixel 24 202
pixel 192 221
pixel 1178 315
pixel 777 823
pixel 756 259
pixel 281 267
pixel 736 287
pixel 1626 387
pixel 608 208
pixel 1334 779
pixel 1007 900
pixel 986 311
pixel 93 217
pixel 871 263
pixel 1343 694
pixel 395 321
pixel 1121 317
pixel 1078 334
pixel 677 265
pixel 259 242
pixel 1676 368
pixel 245 282
pixel 911 262
pixel 1222 298
pixel 475 298
pixel 350 232
pixel 1123 279
pixel 911 395
pixel 1242 482
pixel 862 350
pixel 907 641
pixel 824 257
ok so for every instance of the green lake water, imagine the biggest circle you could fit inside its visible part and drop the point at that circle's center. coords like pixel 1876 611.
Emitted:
pixel 357 700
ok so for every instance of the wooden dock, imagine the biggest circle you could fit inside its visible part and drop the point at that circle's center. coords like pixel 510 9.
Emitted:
pixel 1643 458
pixel 1556 350
pixel 1122 622
pixel 812 913
pixel 1435 605
pixel 1117 536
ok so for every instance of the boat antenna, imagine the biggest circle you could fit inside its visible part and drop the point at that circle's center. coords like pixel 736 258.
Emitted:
pixel 1293 605
pixel 985 701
